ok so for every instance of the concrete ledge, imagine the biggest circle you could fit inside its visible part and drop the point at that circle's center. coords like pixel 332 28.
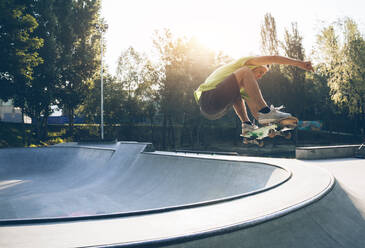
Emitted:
pixel 207 152
pixel 324 152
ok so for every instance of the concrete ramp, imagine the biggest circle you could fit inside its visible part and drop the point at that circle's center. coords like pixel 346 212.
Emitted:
pixel 67 182
pixel 120 195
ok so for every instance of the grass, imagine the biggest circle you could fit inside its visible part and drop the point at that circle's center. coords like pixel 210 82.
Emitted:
pixel 10 135
pixel 13 135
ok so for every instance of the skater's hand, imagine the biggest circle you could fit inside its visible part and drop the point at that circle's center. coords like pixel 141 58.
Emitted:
pixel 306 65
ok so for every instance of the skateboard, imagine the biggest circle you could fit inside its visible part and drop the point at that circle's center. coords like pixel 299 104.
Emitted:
pixel 271 130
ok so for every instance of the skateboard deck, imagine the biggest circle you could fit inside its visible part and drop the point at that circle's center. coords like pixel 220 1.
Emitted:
pixel 279 128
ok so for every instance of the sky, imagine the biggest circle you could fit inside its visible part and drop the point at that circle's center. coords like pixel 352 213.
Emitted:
pixel 231 26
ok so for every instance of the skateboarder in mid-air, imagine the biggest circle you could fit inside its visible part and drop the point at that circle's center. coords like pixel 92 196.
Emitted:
pixel 235 84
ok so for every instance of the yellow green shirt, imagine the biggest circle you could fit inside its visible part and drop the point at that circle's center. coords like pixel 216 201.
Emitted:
pixel 220 74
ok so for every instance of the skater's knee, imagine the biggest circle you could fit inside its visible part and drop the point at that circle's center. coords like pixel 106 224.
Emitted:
pixel 242 72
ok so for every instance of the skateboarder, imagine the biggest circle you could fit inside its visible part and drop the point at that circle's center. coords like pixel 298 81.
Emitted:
pixel 235 84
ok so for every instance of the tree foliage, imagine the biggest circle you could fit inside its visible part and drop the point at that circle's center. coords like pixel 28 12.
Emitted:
pixel 139 80
pixel 166 86
pixel 293 48
pixel 185 65
pixel 52 50
pixel 269 39
pixel 52 56
pixel 343 56
pixel 80 48
pixel 18 47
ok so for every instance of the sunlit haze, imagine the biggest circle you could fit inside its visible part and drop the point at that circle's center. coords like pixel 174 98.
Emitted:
pixel 229 26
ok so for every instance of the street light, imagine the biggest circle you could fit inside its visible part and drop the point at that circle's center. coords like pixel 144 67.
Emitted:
pixel 102 28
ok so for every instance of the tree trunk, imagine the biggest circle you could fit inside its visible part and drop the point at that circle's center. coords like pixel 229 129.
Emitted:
pixel 183 130
pixel 70 121
pixel 197 133
pixel 44 126
pixel 150 117
pixel 171 133
pixel 152 130
pixel 164 127
pixel 24 132
pixel 36 126
pixel 39 127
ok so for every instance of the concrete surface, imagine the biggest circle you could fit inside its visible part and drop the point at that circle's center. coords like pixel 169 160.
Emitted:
pixel 71 181
pixel 201 200
pixel 326 152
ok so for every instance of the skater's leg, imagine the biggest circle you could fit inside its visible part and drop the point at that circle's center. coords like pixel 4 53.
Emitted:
pixel 246 79
pixel 241 111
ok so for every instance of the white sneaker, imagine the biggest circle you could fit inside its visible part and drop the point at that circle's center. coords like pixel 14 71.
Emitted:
pixel 274 115
pixel 248 128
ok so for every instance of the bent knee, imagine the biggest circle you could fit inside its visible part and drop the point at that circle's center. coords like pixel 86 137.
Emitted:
pixel 242 73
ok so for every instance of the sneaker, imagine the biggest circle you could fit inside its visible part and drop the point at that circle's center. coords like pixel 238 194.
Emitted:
pixel 274 115
pixel 248 128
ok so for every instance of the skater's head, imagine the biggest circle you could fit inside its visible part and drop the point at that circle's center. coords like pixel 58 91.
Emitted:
pixel 259 71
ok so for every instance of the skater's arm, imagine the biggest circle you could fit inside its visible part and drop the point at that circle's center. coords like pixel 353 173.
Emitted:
pixel 268 60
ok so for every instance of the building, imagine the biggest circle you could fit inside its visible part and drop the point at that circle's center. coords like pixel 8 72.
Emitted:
pixel 9 113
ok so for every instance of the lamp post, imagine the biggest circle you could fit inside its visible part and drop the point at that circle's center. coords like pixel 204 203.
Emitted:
pixel 102 29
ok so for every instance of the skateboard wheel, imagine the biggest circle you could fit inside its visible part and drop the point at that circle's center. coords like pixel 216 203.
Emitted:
pixel 287 135
pixel 291 121
pixel 271 133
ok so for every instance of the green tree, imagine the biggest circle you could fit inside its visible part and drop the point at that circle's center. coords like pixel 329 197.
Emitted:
pixel 185 65
pixel 320 105
pixel 40 94
pixel 269 39
pixel 18 49
pixel 297 92
pixel 79 59
pixel 343 62
pixel 139 78
pixel 114 98
pixel 198 63
pixel 275 86
pixel 171 51
pixel 293 48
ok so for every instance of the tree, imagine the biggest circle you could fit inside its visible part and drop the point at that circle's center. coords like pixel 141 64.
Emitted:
pixel 269 40
pixel 40 94
pixel 185 65
pixel 293 48
pixel 171 53
pixel 343 58
pixel 18 49
pixel 298 90
pixel 274 84
pixel 114 98
pixel 352 88
pixel 139 78
pixel 198 63
pixel 79 52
